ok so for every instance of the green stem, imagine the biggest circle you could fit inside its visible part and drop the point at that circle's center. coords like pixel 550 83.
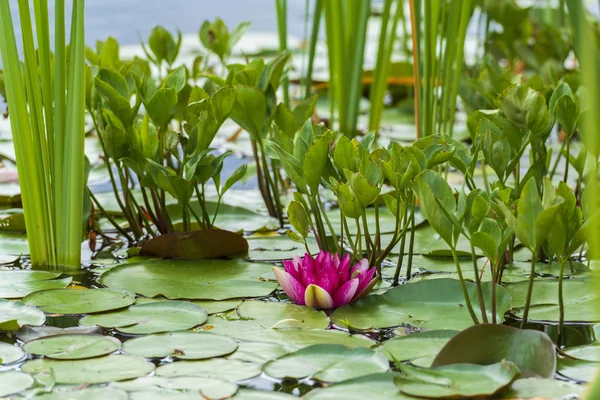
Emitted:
pixel 411 244
pixel 529 289
pixel 561 304
pixel 478 283
pixel 464 287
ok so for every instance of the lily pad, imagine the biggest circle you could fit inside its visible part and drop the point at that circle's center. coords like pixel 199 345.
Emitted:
pixel 206 243
pixel 10 354
pixel 28 333
pixel 269 313
pixel 12 382
pixel 277 248
pixel 73 347
pixel 210 388
pixel 230 370
pixel 249 394
pixel 435 304
pixel 15 284
pixel 327 363
pixel 547 389
pixel 14 314
pixel 458 380
pixel 83 394
pixel 577 370
pixel 532 351
pixel 94 370
pixel 202 280
pixel 181 345
pixel 75 301
pixel 216 307
pixel 590 352
pixel 373 387
pixel 162 316
pixel 580 301
pixel 419 345
pixel 260 353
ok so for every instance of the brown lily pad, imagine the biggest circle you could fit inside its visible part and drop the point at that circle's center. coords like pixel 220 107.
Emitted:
pixel 206 243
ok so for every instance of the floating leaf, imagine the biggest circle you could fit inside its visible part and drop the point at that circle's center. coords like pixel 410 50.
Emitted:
pixel 72 301
pixel 14 314
pixel 590 352
pixel 62 393
pixel 206 243
pixel 206 280
pixel 73 347
pixel 458 380
pixel 547 389
pixel 163 316
pixel 420 345
pixel 152 386
pixel 327 363
pixel 260 353
pixel 532 351
pixel 577 370
pixel 10 353
pixel 230 370
pixel 181 345
pixel 28 333
pixel 433 304
pixel 272 314
pixel 15 284
pixel 94 370
pixel 12 382
pixel 372 387
pixel 248 394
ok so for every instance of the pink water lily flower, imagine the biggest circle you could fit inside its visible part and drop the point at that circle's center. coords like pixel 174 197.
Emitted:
pixel 325 281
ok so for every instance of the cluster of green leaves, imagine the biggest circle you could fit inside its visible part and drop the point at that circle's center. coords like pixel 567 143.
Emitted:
pixel 146 148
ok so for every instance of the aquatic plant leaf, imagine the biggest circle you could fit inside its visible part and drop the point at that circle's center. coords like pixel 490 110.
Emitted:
pixel 206 243
pixel 430 186
pixel 578 370
pixel 93 393
pixel 249 394
pixel 158 387
pixel 163 45
pixel 180 279
pixel 75 301
pixel 181 345
pixel 327 363
pixel 27 333
pixel 15 284
pixel 10 353
pixel 550 389
pixel 230 370
pixel 14 314
pixel 13 382
pixel 314 163
pixel 456 381
pixel 160 105
pixel 418 345
pixel 250 110
pixel 532 351
pixel 432 304
pixel 162 316
pixel 72 347
pixel 94 370
pixel 373 387
pixel 260 352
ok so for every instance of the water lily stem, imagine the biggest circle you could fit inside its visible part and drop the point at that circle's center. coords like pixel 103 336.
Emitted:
pixel 478 283
pixel 553 170
pixel 561 303
pixel 411 244
pixel 109 217
pixel 529 289
pixel 464 287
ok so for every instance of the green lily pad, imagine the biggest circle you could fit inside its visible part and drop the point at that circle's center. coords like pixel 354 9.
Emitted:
pixel 230 370
pixel 580 301
pixel 419 345
pixel 162 316
pixel 13 243
pixel 210 388
pixel 28 333
pixel 181 345
pixel 577 370
pixel 216 307
pixel 83 394
pixel 373 387
pixel 10 354
pixel 547 389
pixel 276 248
pixel 532 351
pixel 12 382
pixel 202 280
pixel 73 347
pixel 15 284
pixel 590 352
pixel 94 370
pixel 74 301
pixel 269 314
pixel 435 304
pixel 327 363
pixel 14 314
pixel 456 381
pixel 249 394
pixel 260 353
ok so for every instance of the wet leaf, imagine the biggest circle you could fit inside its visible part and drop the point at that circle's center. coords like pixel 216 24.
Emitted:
pixel 10 353
pixel 72 301
pixel 13 382
pixel 373 387
pixel 19 283
pixel 416 346
pixel 14 314
pixel 206 243
pixel 157 387
pixel 72 347
pixel 230 370
pixel 181 345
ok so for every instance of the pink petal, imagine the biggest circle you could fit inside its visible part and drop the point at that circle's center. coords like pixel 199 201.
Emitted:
pixel 290 286
pixel 317 297
pixel 328 280
pixel 336 261
pixel 291 268
pixel 346 293
pixel 344 267
pixel 366 283
pixel 361 266
pixel 308 271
